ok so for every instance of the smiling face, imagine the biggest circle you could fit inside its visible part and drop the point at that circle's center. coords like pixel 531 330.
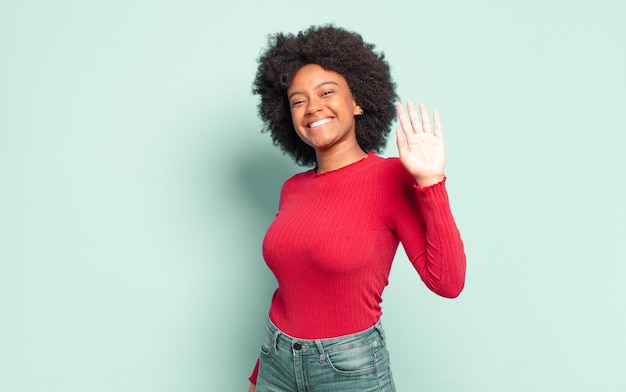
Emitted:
pixel 323 108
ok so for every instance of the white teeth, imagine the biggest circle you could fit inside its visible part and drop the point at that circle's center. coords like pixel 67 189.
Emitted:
pixel 320 122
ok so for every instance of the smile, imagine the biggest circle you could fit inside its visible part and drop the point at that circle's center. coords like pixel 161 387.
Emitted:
pixel 320 122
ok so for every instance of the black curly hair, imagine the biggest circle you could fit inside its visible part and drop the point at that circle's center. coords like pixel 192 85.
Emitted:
pixel 335 49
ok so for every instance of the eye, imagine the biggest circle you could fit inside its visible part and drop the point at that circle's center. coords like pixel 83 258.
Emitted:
pixel 327 92
pixel 297 103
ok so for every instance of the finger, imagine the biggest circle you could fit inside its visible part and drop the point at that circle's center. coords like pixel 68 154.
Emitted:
pixel 425 118
pixel 415 120
pixel 437 123
pixel 404 120
pixel 401 141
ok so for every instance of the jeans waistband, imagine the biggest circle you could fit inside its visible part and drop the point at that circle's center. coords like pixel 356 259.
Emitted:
pixel 320 346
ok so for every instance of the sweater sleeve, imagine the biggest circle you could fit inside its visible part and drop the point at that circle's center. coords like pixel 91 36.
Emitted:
pixel 423 222
pixel 443 263
pixel 255 373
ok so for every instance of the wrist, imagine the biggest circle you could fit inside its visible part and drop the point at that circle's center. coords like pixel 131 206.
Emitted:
pixel 429 180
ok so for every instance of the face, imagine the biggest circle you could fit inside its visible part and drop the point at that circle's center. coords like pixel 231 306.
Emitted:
pixel 323 108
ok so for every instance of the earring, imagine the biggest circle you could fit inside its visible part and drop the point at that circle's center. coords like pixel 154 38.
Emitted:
pixel 361 112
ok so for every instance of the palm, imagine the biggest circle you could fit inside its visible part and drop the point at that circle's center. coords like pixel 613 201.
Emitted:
pixel 422 151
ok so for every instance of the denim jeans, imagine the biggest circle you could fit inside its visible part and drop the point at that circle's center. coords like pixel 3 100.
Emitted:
pixel 358 362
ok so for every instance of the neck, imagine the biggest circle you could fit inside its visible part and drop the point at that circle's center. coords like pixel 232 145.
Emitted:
pixel 334 159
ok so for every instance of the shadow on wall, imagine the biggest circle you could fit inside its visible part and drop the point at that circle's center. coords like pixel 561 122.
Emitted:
pixel 260 175
pixel 256 177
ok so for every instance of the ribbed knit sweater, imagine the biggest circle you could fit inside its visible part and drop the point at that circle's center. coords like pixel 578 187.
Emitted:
pixel 333 240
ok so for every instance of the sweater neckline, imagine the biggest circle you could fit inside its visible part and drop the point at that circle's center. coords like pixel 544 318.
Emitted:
pixel 343 168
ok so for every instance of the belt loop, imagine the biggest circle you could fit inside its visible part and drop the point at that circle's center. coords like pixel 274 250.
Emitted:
pixel 379 327
pixel 275 339
pixel 320 349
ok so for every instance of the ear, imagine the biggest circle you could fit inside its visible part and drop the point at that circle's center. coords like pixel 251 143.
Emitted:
pixel 357 110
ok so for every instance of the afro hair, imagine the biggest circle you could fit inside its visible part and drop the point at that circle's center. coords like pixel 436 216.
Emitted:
pixel 335 49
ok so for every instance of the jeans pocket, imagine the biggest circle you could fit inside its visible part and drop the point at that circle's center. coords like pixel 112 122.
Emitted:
pixel 269 343
pixel 354 360
pixel 383 363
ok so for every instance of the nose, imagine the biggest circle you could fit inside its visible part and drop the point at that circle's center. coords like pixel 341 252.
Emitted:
pixel 313 107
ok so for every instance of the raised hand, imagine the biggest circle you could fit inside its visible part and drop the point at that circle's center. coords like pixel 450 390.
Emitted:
pixel 422 151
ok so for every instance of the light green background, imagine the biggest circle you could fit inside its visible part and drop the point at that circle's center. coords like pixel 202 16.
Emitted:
pixel 135 189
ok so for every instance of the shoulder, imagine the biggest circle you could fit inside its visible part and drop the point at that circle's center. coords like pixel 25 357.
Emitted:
pixel 390 164
pixel 396 184
pixel 299 178
pixel 392 169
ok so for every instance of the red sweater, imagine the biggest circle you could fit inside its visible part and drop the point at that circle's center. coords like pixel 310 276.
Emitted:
pixel 334 238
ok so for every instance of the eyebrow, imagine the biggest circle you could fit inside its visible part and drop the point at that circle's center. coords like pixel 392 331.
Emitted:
pixel 316 87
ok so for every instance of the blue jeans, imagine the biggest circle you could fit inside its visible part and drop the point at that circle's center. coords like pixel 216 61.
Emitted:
pixel 358 362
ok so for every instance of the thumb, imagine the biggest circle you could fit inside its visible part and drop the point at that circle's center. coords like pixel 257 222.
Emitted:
pixel 401 142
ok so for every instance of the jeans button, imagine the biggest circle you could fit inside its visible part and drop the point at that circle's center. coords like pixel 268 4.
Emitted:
pixel 297 346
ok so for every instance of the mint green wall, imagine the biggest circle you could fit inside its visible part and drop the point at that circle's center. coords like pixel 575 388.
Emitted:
pixel 135 189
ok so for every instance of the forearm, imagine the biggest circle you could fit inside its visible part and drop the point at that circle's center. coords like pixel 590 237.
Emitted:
pixel 436 249
pixel 445 255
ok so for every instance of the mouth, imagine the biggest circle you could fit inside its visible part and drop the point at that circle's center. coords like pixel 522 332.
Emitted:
pixel 320 122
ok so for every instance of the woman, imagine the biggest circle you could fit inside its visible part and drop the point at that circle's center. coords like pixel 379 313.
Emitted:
pixel 328 100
